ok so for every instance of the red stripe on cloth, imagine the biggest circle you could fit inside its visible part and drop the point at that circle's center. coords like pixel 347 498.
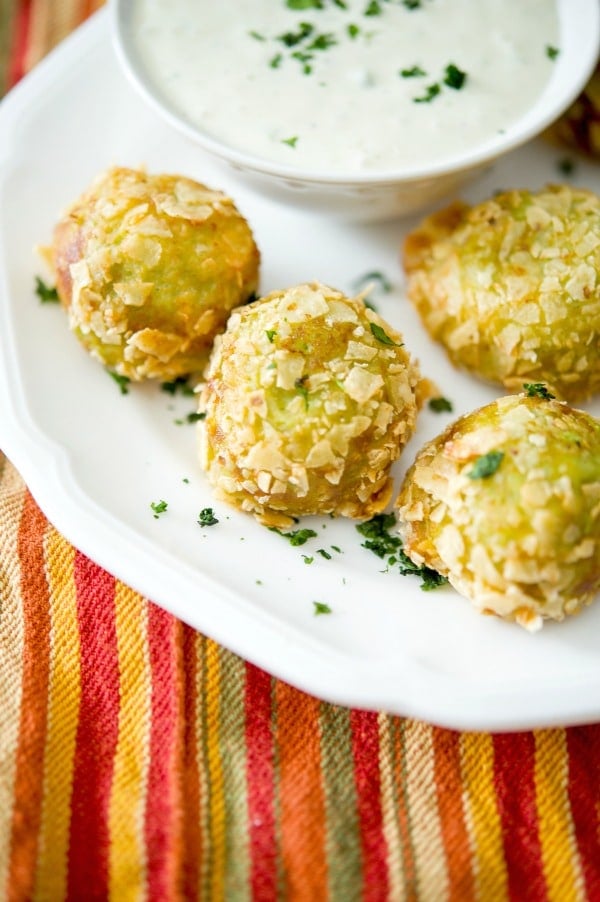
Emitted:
pixel 192 847
pixel 260 783
pixel 365 749
pixel 514 780
pixel 162 825
pixel 583 746
pixel 20 39
pixel 97 732
pixel 29 771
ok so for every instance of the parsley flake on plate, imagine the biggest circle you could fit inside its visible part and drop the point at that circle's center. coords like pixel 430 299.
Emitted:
pixel 122 381
pixel 296 537
pixel 291 142
pixel 454 77
pixel 46 293
pixel 440 405
pixel 321 608
pixel 206 517
pixel 159 507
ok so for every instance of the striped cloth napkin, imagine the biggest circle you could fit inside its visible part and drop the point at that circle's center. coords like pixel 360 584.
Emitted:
pixel 140 760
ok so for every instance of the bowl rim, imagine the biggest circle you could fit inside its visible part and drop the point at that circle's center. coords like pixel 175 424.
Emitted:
pixel 579 24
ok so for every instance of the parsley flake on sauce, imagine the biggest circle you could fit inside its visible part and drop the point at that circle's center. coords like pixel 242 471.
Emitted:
pixel 45 293
pixel 552 52
pixel 383 337
pixel 454 77
pixel 430 92
pixel 321 608
pixel 159 507
pixel 413 72
pixel 304 4
pixel 486 465
pixel 538 390
pixel 290 141
pixel 372 9
pixel 206 517
pixel 440 405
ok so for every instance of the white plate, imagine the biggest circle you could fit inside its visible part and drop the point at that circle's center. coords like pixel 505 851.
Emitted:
pixel 95 459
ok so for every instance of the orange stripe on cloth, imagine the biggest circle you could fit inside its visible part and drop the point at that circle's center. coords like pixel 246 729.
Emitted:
pixel 12 639
pixel 97 731
pixel 63 713
pixel 583 745
pixel 127 875
pixel 448 777
pixel 560 856
pixel 365 749
pixel 163 806
pixel 259 776
pixel 301 797
pixel 28 785
pixel 482 816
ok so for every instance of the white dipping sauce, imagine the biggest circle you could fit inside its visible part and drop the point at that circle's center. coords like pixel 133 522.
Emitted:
pixel 342 103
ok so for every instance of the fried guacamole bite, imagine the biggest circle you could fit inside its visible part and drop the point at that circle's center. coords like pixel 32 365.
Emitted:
pixel 510 287
pixel 506 504
pixel 309 399
pixel 148 268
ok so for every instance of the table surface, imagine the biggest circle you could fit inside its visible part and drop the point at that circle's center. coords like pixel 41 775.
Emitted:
pixel 140 759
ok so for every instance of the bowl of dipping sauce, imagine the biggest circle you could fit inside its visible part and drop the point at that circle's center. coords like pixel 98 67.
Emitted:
pixel 364 109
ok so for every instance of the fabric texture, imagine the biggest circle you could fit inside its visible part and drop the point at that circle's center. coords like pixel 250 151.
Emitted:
pixel 140 760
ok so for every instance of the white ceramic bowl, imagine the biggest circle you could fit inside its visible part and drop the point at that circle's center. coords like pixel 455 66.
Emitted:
pixel 393 193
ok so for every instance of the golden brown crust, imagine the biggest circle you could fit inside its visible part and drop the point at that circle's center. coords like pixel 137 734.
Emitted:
pixel 149 268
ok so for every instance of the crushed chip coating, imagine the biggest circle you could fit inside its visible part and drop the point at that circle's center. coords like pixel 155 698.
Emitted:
pixel 523 540
pixel 149 268
pixel 305 409
pixel 510 287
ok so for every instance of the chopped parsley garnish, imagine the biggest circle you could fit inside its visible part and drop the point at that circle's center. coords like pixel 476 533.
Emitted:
pixel 297 536
pixel 307 558
pixel 322 42
pixel 430 92
pixel 382 336
pixel 304 4
pixel 177 386
pixel 159 507
pixel 413 72
pixel 353 31
pixel 257 36
pixel 566 166
pixel 381 542
pixel 206 517
pixel 538 390
pixel 290 141
pixel 552 52
pixel 321 608
pixel 275 62
pixel 122 381
pixel 440 405
pixel 373 9
pixel 186 480
pixel 45 293
pixel 271 333
pixel 324 554
pixel 454 77
pixel 291 38
pixel 486 465
pixel 412 4
pixel 195 416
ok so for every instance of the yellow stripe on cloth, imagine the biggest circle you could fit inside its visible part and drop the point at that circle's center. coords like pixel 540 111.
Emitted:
pixel 127 859
pixel 12 493
pixel 217 826
pixel 389 810
pixel 482 816
pixel 63 713
pixel 562 866
pixel 425 824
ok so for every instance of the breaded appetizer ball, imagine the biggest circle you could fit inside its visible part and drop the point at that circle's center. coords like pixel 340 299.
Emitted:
pixel 309 399
pixel 510 287
pixel 149 268
pixel 579 126
pixel 506 504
